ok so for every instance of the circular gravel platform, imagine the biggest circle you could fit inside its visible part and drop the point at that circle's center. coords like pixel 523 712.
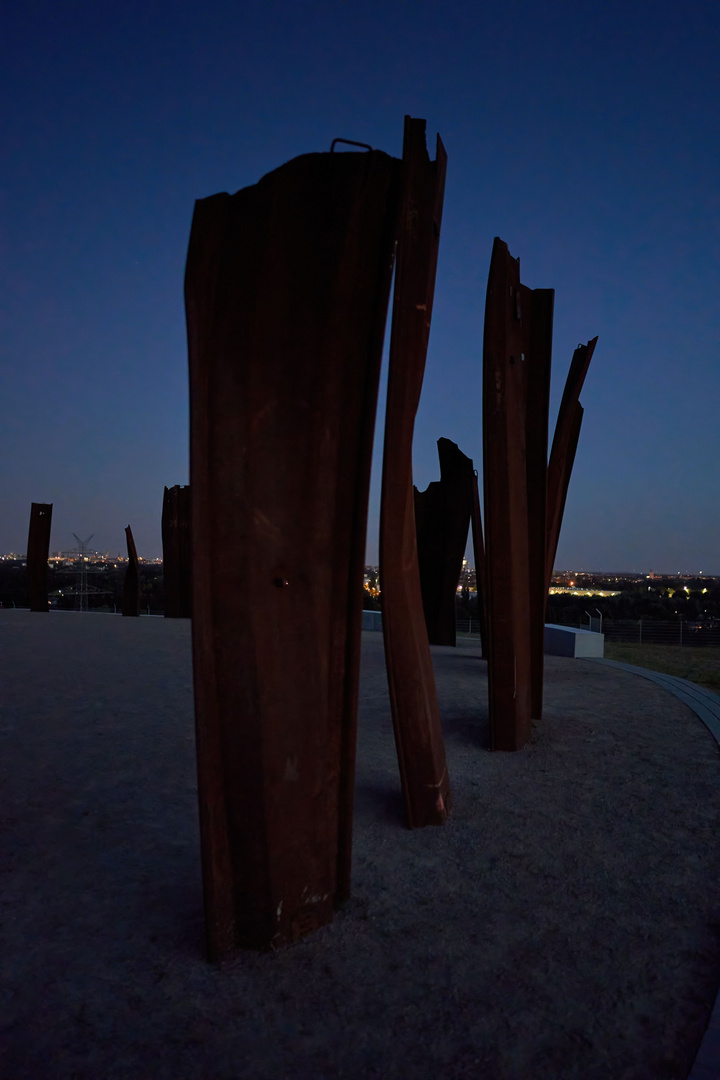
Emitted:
pixel 564 923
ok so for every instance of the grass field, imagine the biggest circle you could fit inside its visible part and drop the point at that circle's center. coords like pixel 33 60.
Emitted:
pixel 699 665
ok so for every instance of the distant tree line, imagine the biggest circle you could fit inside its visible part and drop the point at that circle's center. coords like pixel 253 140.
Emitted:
pixel 691 599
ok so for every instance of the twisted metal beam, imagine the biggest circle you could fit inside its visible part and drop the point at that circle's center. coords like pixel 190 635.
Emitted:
pixel 413 698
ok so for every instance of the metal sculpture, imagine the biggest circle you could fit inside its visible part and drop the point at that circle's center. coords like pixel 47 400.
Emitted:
pixel 286 292
pixel 524 497
pixel 131 583
pixel 562 455
pixel 38 549
pixel 413 698
pixel 515 355
pixel 176 552
pixel 480 562
pixel 442 520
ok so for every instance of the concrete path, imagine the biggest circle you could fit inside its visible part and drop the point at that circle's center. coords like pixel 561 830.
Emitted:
pixel 564 923
pixel 706 705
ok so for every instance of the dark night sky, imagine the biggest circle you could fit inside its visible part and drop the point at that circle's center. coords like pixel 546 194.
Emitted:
pixel 584 134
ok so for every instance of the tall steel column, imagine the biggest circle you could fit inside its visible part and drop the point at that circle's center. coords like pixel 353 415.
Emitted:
pixel 524 495
pixel 516 360
pixel 286 293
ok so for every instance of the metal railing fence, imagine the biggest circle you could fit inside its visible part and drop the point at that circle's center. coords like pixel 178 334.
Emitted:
pixel 663 632
pixel 641 631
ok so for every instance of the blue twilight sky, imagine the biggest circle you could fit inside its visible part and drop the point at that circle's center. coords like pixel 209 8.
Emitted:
pixel 584 134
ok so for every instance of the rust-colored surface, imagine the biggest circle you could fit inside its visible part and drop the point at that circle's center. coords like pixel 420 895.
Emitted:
pixel 480 562
pixel 524 495
pixel 506 517
pixel 516 374
pixel 286 289
pixel 38 548
pixel 413 699
pixel 177 581
pixel 131 583
pixel 537 334
pixel 442 520
pixel 562 455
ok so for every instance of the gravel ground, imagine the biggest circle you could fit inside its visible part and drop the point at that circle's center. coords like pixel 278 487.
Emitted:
pixel 564 923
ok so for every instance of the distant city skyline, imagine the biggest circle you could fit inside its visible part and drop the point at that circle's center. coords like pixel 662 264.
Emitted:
pixel 67 555
pixel 583 135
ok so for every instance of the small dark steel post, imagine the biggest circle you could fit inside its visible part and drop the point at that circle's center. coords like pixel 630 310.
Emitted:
pixel 286 294
pixel 413 698
pixel 177 586
pixel 442 520
pixel 131 584
pixel 38 548
pixel 564 447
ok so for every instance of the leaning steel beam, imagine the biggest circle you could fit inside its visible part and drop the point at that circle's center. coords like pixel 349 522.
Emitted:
pixel 131 583
pixel 562 455
pixel 442 520
pixel 413 698
pixel 516 360
pixel 38 548
pixel 286 292
pixel 176 552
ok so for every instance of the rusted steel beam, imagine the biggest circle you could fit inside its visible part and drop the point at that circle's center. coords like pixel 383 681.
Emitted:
pixel 516 374
pixel 442 520
pixel 524 495
pixel 537 336
pixel 177 582
pixel 413 698
pixel 480 563
pixel 131 583
pixel 564 446
pixel 38 548
pixel 286 291
pixel 506 516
